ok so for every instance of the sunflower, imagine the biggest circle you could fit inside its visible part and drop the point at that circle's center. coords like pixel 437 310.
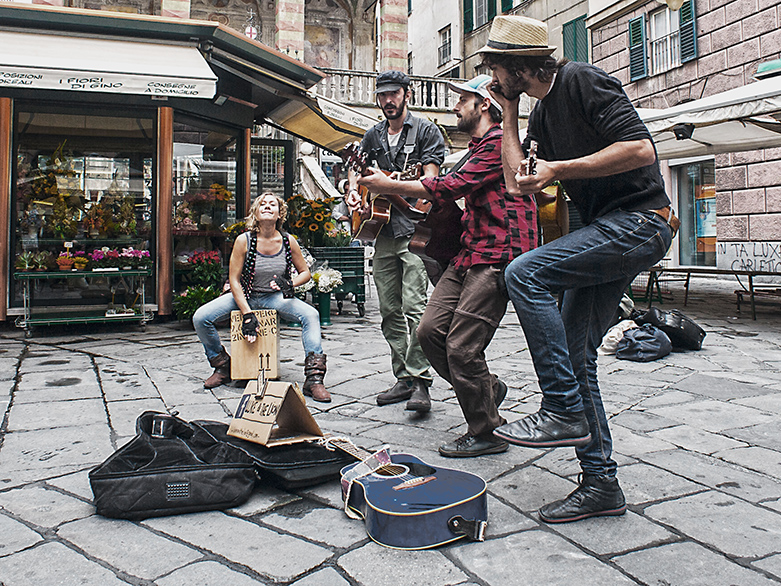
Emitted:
pixel 319 217
pixel 313 227
pixel 328 226
pixel 299 224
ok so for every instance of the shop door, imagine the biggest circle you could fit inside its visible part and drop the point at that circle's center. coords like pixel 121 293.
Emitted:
pixel 697 203
pixel 272 167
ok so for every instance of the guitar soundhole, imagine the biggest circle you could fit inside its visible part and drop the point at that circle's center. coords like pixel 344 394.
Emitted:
pixel 392 470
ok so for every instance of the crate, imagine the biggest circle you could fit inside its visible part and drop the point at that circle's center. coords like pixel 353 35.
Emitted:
pixel 349 261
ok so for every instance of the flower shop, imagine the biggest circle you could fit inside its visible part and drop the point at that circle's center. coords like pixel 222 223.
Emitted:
pixel 126 158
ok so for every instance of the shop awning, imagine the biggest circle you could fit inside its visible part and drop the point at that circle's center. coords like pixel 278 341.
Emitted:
pixel 321 121
pixel 741 119
pixel 74 63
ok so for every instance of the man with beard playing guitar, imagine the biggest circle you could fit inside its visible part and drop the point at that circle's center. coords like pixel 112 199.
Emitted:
pixel 469 300
pixel 400 276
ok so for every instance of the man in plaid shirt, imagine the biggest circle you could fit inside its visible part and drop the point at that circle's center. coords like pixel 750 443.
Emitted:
pixel 470 300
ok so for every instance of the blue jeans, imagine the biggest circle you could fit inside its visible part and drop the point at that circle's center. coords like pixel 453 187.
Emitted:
pixel 292 309
pixel 593 267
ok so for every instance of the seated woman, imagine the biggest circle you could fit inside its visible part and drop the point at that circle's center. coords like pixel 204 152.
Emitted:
pixel 260 278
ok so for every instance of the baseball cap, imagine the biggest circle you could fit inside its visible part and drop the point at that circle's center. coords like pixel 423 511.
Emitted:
pixel 390 81
pixel 478 85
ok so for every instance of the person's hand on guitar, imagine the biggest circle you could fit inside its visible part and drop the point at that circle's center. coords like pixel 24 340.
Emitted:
pixel 377 181
pixel 353 200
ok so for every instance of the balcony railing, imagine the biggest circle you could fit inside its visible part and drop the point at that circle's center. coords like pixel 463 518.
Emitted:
pixel 356 88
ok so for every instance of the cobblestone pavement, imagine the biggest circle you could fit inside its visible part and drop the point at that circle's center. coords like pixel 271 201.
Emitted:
pixel 697 437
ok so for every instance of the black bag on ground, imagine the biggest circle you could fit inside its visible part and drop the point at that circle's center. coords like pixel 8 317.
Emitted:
pixel 681 330
pixel 171 467
pixel 290 466
pixel 643 344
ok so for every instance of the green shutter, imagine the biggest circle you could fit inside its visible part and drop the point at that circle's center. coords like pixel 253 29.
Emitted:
pixel 688 31
pixel 506 5
pixel 638 62
pixel 576 40
pixel 491 10
pixel 469 23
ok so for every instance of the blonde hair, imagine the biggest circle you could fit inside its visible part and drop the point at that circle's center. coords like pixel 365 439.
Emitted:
pixel 251 221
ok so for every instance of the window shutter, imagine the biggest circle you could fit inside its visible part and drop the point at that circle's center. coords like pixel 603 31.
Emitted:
pixel 491 10
pixel 638 62
pixel 576 40
pixel 568 32
pixel 688 31
pixel 469 23
pixel 507 5
pixel 581 40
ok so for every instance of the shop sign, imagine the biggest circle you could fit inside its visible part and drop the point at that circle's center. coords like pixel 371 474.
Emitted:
pixel 115 83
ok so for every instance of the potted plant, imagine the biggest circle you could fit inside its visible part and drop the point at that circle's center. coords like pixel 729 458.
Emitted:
pixel 80 261
pixel 43 260
pixel 65 261
pixel 25 261
pixel 186 304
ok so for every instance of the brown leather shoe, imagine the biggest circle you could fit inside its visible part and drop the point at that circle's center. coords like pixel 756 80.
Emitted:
pixel 222 370
pixel 399 392
pixel 420 400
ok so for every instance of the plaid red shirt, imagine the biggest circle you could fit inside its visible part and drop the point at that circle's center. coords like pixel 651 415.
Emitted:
pixel 497 227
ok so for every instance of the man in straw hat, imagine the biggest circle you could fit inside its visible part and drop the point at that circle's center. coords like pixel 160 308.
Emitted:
pixel 469 299
pixel 394 144
pixel 591 140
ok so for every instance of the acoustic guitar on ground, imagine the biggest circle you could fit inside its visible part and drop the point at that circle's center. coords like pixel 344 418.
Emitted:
pixel 409 504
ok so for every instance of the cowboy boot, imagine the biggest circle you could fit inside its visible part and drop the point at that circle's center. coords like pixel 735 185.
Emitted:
pixel 314 370
pixel 222 370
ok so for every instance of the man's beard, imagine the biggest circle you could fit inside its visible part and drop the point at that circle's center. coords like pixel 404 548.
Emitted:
pixel 466 124
pixel 513 87
pixel 396 113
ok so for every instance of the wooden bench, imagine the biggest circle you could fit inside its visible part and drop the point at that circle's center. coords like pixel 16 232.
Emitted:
pixel 655 272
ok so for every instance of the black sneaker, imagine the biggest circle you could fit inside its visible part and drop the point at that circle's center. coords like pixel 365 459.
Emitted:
pixel 547 429
pixel 595 497
pixel 469 446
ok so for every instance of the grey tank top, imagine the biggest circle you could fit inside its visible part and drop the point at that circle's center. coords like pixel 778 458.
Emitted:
pixel 266 266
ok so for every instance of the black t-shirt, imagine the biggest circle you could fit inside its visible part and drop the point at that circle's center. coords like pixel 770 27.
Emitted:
pixel 585 111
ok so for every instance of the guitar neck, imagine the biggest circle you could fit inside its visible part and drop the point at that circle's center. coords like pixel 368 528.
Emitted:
pixel 361 454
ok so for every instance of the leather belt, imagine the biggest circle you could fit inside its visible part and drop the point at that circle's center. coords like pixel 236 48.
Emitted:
pixel 666 213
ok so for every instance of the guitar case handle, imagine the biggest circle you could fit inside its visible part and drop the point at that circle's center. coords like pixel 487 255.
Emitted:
pixel 473 529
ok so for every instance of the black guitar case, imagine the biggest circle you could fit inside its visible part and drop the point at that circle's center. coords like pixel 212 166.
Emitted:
pixel 682 330
pixel 290 466
pixel 171 467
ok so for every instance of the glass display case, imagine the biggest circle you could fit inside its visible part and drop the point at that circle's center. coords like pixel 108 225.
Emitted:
pixel 204 200
pixel 82 207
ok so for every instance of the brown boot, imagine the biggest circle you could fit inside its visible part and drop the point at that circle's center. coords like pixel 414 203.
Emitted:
pixel 314 369
pixel 222 370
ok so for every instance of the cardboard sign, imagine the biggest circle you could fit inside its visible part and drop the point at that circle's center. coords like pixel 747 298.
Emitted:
pixel 248 359
pixel 276 416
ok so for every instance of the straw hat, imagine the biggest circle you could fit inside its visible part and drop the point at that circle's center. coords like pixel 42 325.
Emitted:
pixel 518 35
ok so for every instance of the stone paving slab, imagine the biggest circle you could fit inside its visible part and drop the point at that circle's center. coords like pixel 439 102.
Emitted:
pixel 695 436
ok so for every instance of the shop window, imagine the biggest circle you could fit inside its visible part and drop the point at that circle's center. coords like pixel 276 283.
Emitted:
pixel 697 206
pixel 204 196
pixel 84 184
pixel 444 49
pixel 671 40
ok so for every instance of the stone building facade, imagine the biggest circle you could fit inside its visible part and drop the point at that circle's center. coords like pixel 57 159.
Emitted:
pixel 731 39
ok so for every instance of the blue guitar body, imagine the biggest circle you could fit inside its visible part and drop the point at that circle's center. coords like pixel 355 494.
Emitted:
pixel 415 510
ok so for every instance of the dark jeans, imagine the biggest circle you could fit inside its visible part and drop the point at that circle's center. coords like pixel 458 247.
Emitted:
pixel 459 322
pixel 593 267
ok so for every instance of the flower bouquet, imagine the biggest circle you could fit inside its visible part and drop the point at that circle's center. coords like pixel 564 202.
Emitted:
pixel 327 279
pixel 310 220
pixel 65 261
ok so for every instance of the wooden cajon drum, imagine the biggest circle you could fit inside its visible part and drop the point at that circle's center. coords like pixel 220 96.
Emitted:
pixel 248 359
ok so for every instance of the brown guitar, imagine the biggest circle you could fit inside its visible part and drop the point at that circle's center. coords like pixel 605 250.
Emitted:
pixel 554 215
pixel 374 212
pixel 437 228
